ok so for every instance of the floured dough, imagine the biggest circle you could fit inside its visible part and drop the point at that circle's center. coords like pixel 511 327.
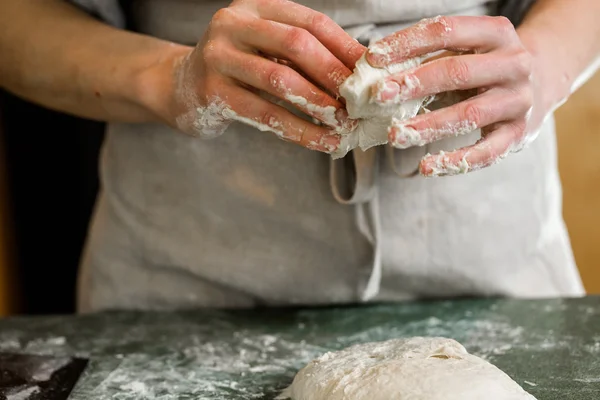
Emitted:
pixel 374 118
pixel 417 368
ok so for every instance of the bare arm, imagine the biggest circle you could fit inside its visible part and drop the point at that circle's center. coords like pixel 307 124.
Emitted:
pixel 57 56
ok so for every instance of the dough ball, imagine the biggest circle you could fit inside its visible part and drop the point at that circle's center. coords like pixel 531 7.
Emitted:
pixel 418 368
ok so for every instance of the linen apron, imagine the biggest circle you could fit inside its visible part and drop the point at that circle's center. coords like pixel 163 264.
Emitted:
pixel 246 220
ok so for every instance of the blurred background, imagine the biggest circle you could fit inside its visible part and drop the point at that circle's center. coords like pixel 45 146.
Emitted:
pixel 49 180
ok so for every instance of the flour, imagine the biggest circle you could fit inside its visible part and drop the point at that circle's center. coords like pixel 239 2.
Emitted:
pixel 22 393
pixel 587 380
pixel 326 113
pixel 488 338
pixel 44 371
pixel 241 365
pixel 433 368
pixel 374 118
pixel 405 136
pixel 46 345
pixel 211 121
pixel 443 166
pixel 135 387
pixel 400 45
pixel 273 124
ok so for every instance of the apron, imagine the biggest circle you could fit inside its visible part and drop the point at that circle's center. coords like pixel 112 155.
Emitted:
pixel 246 220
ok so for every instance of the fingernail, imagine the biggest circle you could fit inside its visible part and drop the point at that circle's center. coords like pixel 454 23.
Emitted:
pixel 387 92
pixel 346 124
pixel 378 55
pixel 341 115
pixel 434 165
pixel 424 167
pixel 330 142
pixel 403 136
pixel 402 88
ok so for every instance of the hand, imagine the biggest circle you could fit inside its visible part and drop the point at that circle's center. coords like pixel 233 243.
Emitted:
pixel 497 65
pixel 259 49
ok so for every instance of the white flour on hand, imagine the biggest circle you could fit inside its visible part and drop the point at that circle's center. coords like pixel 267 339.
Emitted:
pixel 374 118
pixel 424 368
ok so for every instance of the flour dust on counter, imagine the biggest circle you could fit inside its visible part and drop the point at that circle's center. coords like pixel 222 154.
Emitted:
pixel 255 355
pixel 38 377
pixel 427 368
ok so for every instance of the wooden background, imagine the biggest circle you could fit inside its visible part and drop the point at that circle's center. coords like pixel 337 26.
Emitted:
pixel 578 126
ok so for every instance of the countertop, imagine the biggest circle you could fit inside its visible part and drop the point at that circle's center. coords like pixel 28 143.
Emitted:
pixel 550 347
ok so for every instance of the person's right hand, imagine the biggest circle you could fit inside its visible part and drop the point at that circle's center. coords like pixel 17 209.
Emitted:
pixel 275 47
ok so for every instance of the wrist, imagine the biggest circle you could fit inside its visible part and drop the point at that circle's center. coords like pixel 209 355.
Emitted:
pixel 551 69
pixel 155 86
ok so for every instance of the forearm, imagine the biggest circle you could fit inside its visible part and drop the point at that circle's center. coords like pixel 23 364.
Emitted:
pixel 56 56
pixel 564 35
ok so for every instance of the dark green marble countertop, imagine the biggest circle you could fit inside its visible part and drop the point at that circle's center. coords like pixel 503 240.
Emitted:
pixel 550 347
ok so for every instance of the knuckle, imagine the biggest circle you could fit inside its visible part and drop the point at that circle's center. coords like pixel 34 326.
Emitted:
pixel 257 3
pixel 501 20
pixel 297 41
pixel 457 70
pixel 440 26
pixel 519 126
pixel 523 63
pixel 320 22
pixel 277 78
pixel 311 136
pixel 504 25
pixel 222 18
pixel 338 74
pixel 472 113
pixel 301 134
pixel 322 101
pixel 267 117
pixel 526 97
pixel 428 123
pixel 354 49
pixel 518 131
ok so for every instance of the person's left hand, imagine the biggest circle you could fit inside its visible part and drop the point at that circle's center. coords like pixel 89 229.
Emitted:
pixel 492 60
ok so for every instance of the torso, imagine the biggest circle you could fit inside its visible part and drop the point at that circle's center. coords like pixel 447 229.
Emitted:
pixel 246 219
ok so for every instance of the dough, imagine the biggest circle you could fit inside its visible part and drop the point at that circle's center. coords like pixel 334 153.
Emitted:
pixel 374 118
pixel 417 368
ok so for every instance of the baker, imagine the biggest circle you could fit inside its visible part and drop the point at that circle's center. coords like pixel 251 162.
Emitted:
pixel 219 183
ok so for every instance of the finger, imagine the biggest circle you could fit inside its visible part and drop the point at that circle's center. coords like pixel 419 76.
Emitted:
pixel 285 83
pixel 460 33
pixel 453 73
pixel 298 46
pixel 459 119
pixel 329 33
pixel 490 150
pixel 249 108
